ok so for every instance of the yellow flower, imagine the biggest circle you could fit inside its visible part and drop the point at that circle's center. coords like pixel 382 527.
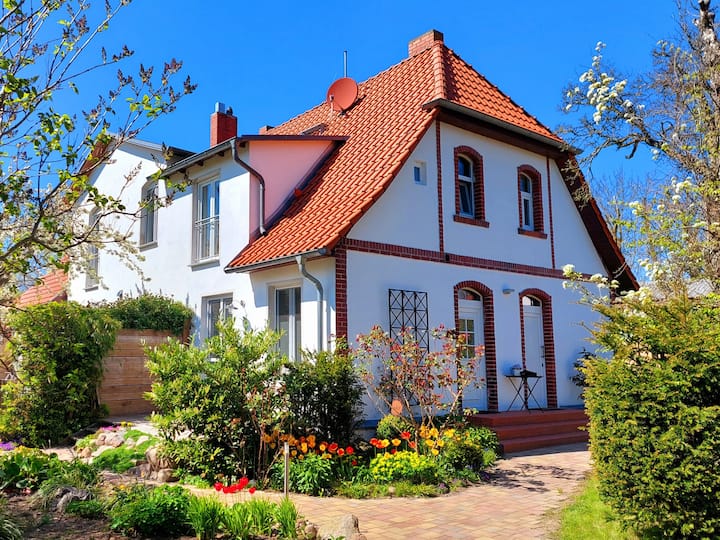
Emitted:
pixel 293 453
pixel 396 442
pixel 304 447
pixel 435 451
pixel 440 443
pixel 434 433
pixel 384 443
pixel 267 438
pixel 450 433
pixel 323 446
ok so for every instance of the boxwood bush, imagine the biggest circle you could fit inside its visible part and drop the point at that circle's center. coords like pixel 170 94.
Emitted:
pixel 654 412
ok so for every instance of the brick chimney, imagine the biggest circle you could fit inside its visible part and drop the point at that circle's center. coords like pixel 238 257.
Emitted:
pixel 420 43
pixel 223 125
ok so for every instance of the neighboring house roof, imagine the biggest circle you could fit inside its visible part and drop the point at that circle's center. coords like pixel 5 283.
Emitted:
pixel 52 288
pixel 393 111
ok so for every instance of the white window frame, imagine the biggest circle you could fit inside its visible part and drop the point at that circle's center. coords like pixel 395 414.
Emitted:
pixel 290 344
pixel 420 173
pixel 148 215
pixel 206 222
pixel 209 323
pixel 92 274
pixel 526 203
pixel 466 185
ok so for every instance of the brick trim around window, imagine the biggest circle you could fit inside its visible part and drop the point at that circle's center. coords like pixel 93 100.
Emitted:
pixel 476 160
pixel 538 230
pixel 548 341
pixel 488 307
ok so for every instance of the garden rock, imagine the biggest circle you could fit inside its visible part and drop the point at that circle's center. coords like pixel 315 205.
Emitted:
pixel 306 530
pixel 86 452
pixel 152 456
pixel 100 450
pixel 163 475
pixel 346 527
pixel 113 438
pixel 66 495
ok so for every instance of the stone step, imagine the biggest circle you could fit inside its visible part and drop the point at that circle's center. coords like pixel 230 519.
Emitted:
pixel 542 441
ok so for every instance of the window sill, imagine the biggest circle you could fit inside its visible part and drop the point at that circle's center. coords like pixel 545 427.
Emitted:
pixel 149 245
pixel 471 221
pixel 92 288
pixel 533 234
pixel 205 263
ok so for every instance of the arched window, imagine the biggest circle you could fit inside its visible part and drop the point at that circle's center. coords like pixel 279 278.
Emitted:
pixel 530 206
pixel 469 189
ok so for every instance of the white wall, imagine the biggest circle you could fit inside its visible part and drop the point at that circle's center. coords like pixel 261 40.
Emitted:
pixel 370 276
pixel 167 265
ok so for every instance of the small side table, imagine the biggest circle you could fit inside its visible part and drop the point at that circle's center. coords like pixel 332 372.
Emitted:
pixel 523 382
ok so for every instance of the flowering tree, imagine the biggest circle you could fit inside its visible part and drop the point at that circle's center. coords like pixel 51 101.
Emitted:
pixel 425 383
pixel 674 113
pixel 47 49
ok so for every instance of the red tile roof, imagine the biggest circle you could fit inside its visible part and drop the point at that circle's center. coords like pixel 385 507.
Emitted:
pixel 51 289
pixel 383 127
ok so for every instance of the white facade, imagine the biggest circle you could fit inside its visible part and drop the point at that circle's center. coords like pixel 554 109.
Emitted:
pixel 407 241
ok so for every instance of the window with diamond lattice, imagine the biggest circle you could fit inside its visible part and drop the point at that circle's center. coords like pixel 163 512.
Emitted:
pixel 409 312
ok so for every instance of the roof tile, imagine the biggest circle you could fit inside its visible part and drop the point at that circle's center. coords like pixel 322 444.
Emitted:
pixel 383 127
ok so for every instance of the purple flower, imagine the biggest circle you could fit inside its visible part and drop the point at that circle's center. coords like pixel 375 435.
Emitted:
pixel 7 446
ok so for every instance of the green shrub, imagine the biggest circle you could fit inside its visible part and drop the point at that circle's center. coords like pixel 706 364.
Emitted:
pixel 312 475
pixel 150 312
pixel 655 415
pixel 236 521
pixel 325 393
pixel 205 516
pixel 400 488
pixel 9 528
pixel 286 516
pixel 26 468
pixel 58 348
pixel 474 448
pixel 261 514
pixel 404 465
pixel 390 426
pixel 223 395
pixel 90 509
pixel 74 474
pixel 141 510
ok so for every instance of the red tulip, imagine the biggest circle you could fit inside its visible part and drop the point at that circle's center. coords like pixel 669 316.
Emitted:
pixel 349 451
pixel 252 490
pixel 218 486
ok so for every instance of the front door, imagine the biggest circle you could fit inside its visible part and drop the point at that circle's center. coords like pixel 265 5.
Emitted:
pixel 535 351
pixel 470 324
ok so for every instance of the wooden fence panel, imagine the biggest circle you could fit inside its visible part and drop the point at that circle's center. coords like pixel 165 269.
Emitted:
pixel 125 377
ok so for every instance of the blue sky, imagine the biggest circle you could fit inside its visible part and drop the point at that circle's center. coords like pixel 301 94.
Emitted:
pixel 273 60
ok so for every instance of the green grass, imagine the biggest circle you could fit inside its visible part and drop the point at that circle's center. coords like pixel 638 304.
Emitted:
pixel 369 490
pixel 589 518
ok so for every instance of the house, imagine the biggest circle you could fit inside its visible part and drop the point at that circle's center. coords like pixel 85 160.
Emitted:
pixel 422 196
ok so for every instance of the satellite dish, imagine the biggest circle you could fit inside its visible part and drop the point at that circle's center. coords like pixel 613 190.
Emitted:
pixel 342 94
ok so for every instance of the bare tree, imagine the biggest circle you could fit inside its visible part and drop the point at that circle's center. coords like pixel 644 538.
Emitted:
pixel 47 48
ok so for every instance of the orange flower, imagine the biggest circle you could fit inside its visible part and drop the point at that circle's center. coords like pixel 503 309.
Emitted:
pixel 340 452
pixel 384 443
pixel 405 435
pixel 396 442
pixel 375 442
pixel 412 444
pixel 333 447
pixel 311 441
pixel 323 446
pixel 304 447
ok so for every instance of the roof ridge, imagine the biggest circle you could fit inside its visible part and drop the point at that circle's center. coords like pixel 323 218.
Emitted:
pixel 439 70
pixel 415 58
pixel 497 88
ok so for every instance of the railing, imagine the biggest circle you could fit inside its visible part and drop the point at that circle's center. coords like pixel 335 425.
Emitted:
pixel 206 239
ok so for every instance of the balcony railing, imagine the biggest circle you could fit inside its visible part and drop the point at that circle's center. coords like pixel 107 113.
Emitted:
pixel 206 239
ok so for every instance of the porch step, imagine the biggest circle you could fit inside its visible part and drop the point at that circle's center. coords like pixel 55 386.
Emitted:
pixel 529 430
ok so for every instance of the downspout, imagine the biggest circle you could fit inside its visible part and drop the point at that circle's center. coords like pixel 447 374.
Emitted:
pixel 260 180
pixel 301 265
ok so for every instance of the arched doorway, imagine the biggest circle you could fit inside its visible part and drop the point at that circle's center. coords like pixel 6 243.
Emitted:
pixel 470 324
pixel 534 347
